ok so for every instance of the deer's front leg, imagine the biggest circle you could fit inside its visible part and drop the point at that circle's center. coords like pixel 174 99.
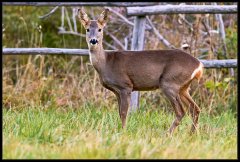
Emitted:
pixel 123 102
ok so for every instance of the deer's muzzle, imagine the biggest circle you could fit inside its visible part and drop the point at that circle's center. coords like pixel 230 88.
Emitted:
pixel 93 41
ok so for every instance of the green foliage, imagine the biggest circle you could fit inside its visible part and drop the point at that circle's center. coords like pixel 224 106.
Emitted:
pixel 211 85
pixel 231 42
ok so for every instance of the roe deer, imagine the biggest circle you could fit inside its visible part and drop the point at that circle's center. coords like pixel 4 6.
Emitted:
pixel 125 71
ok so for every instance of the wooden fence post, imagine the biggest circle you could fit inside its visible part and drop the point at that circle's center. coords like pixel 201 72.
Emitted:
pixel 137 45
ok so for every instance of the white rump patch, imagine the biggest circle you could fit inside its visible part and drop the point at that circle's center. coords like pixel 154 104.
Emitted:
pixel 197 70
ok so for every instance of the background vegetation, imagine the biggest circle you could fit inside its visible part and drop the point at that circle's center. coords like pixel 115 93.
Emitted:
pixel 55 107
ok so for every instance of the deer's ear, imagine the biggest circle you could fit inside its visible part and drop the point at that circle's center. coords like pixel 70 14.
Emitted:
pixel 103 18
pixel 83 18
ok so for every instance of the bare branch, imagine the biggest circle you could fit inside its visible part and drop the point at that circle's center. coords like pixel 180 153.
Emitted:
pixel 221 32
pixel 185 21
pixel 160 37
pixel 109 45
pixel 92 14
pixel 125 19
pixel 222 36
pixel 207 28
pixel 191 26
pixel 74 13
pixel 211 43
pixel 115 39
pixel 62 17
pixel 121 16
pixel 68 20
pixel 50 13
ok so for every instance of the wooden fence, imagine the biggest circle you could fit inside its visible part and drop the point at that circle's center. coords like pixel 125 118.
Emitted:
pixel 230 63
pixel 118 4
pixel 183 9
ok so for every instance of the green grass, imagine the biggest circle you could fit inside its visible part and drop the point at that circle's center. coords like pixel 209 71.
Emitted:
pixel 95 131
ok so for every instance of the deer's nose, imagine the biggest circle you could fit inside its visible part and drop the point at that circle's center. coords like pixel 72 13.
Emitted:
pixel 93 41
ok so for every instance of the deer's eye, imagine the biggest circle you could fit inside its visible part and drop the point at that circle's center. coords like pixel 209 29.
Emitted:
pixel 87 30
pixel 99 30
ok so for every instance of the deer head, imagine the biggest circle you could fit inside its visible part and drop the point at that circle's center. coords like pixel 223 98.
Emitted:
pixel 94 28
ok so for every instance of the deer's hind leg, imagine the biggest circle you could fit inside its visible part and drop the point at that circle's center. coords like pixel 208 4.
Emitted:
pixel 189 102
pixel 171 90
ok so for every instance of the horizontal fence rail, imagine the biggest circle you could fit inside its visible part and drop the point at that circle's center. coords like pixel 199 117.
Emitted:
pixel 230 63
pixel 177 9
pixel 44 51
pixel 119 4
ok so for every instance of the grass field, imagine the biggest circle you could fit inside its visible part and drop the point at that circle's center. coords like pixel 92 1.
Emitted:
pixel 94 131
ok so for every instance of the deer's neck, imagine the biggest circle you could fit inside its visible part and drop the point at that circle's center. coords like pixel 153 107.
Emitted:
pixel 97 57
